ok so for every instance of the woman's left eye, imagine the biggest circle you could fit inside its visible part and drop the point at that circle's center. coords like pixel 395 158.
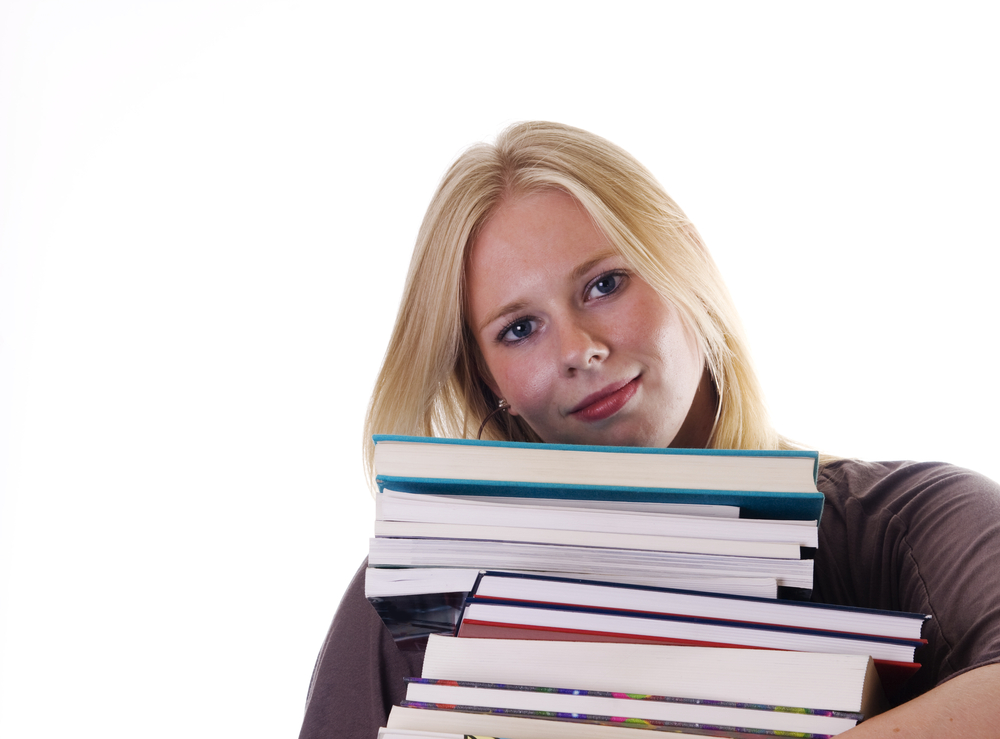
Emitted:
pixel 604 285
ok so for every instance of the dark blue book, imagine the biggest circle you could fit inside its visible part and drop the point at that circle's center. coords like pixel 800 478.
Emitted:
pixel 740 609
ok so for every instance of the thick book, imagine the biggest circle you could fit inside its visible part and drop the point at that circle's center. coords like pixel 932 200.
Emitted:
pixel 835 682
pixel 795 576
pixel 546 513
pixel 560 702
pixel 764 484
pixel 566 537
pixel 486 618
pixel 534 588
pixel 513 727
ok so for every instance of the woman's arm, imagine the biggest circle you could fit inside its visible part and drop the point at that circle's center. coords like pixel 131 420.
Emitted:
pixel 359 673
pixel 965 706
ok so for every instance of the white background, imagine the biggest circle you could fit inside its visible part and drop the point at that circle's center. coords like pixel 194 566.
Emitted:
pixel 206 211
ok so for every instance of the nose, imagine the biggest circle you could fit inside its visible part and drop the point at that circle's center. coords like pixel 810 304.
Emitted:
pixel 581 346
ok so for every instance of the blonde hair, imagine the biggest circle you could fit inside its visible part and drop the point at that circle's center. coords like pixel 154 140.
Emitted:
pixel 432 378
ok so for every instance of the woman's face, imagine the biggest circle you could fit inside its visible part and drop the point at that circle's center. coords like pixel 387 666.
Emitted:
pixel 583 349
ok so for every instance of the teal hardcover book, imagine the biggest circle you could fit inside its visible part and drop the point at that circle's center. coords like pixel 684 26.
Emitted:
pixel 764 484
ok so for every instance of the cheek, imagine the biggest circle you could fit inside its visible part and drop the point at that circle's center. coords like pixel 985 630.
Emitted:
pixel 682 356
pixel 526 383
pixel 659 330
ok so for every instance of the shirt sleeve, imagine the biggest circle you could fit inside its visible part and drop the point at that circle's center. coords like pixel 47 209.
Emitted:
pixel 923 538
pixel 359 672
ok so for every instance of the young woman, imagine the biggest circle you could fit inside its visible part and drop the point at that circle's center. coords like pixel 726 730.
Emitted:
pixel 554 277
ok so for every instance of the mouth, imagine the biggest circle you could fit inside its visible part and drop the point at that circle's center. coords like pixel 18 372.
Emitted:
pixel 607 402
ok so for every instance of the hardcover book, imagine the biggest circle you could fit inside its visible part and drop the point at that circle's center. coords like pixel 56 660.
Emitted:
pixel 532 588
pixel 764 484
pixel 835 682
pixel 488 617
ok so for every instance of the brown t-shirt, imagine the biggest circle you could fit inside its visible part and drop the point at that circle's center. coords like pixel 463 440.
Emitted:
pixel 901 536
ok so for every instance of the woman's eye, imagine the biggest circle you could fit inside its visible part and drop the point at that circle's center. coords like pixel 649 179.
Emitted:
pixel 520 329
pixel 604 285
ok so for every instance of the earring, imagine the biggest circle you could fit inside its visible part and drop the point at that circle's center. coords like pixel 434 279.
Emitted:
pixel 502 406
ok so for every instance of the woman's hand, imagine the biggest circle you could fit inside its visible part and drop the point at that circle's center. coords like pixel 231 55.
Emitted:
pixel 965 706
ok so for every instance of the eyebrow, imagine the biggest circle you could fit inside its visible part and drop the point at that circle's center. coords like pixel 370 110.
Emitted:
pixel 585 267
pixel 518 305
pixel 515 307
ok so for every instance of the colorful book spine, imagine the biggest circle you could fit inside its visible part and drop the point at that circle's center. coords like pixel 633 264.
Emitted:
pixel 636 723
pixel 637 697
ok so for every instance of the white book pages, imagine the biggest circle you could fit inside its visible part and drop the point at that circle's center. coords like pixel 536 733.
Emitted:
pixel 385 582
pixel 396 506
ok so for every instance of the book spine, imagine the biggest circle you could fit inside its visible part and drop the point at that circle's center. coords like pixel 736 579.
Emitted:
pixel 635 696
pixel 586 718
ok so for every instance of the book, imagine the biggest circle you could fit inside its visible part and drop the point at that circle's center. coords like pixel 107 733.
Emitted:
pixel 487 618
pixel 764 484
pixel 416 601
pixel 511 727
pixel 567 537
pixel 613 722
pixel 387 733
pixel 388 582
pixel 532 588
pixel 612 504
pixel 652 519
pixel 597 704
pixel 835 682
pixel 794 576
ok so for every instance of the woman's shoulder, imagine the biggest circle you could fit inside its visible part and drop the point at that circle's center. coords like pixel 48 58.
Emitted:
pixel 903 487
pixel 922 537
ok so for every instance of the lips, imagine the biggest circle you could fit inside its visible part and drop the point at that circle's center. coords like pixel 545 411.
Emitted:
pixel 607 402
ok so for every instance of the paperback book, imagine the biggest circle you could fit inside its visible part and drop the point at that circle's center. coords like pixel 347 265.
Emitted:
pixel 652 519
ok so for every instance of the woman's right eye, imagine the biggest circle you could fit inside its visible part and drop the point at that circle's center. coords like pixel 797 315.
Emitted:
pixel 520 329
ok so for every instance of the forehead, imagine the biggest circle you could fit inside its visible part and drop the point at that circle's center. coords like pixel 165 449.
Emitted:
pixel 536 228
pixel 531 247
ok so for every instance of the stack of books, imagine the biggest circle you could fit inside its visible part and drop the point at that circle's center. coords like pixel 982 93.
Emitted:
pixel 566 554
pixel 719 521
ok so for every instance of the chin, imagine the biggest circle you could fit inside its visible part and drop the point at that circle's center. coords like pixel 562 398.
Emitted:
pixel 622 437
